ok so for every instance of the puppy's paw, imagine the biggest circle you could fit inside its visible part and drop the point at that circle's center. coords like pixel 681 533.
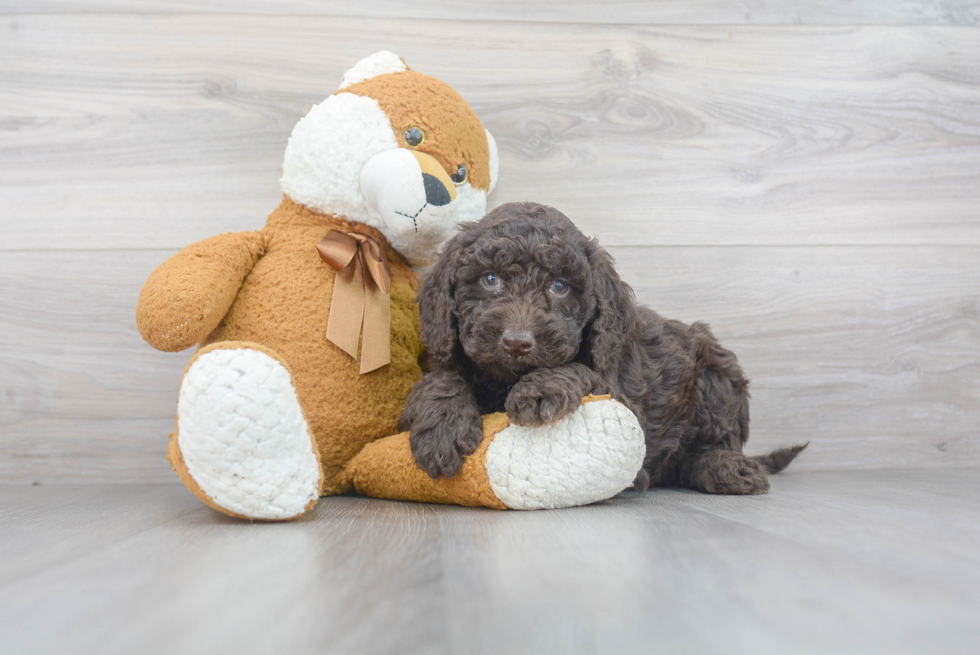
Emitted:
pixel 535 401
pixel 748 478
pixel 439 449
pixel 724 472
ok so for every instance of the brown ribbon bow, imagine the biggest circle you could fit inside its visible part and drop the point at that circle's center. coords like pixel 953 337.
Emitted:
pixel 359 298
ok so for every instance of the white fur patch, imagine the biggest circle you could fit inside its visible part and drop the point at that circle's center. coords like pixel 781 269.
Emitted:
pixel 326 152
pixel 327 160
pixel 326 168
pixel 243 437
pixel 471 203
pixel 393 185
pixel 590 455
pixel 379 63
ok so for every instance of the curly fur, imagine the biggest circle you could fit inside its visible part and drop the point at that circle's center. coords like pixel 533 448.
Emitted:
pixel 498 277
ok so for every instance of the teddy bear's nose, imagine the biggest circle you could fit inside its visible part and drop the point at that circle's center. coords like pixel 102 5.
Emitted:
pixel 435 191
pixel 439 188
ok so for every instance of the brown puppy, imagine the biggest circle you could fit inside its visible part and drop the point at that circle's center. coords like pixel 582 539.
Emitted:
pixel 523 313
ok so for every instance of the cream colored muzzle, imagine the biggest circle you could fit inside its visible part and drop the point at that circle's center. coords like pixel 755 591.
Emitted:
pixel 415 197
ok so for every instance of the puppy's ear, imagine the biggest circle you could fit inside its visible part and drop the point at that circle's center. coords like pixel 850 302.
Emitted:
pixel 437 304
pixel 616 317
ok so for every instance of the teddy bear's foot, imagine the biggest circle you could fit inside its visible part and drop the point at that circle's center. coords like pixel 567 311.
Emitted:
pixel 590 455
pixel 242 444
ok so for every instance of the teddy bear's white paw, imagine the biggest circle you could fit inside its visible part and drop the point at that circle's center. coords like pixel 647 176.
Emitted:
pixel 590 455
pixel 242 435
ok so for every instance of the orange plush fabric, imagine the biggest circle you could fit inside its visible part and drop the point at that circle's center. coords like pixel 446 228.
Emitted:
pixel 284 304
pixel 270 291
pixel 453 133
pixel 281 299
pixel 176 458
pixel 186 297
pixel 385 469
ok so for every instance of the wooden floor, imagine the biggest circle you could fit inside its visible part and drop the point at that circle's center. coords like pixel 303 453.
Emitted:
pixel 844 562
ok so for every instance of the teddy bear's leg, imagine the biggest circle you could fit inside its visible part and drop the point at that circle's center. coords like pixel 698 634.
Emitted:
pixel 590 455
pixel 242 444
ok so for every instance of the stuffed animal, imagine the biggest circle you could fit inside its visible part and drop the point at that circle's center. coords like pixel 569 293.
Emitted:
pixel 308 332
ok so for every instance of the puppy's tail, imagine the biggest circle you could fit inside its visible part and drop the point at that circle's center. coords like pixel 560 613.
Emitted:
pixel 777 460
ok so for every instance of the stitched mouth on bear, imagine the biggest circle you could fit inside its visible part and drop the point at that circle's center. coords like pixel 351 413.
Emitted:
pixel 436 195
pixel 414 216
pixel 406 184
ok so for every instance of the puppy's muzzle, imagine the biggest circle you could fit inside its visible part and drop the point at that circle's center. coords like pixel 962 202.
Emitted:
pixel 517 343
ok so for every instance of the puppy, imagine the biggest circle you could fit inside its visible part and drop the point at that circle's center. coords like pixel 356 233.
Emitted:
pixel 523 313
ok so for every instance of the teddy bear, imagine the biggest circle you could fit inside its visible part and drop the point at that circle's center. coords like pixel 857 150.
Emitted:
pixel 307 329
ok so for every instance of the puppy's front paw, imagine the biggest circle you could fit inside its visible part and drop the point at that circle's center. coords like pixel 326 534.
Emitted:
pixel 439 450
pixel 534 402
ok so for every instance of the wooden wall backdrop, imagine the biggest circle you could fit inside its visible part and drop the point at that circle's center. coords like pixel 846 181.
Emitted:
pixel 805 177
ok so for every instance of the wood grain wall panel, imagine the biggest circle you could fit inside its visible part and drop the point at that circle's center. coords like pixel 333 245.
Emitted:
pixel 689 12
pixel 868 352
pixel 800 176
pixel 153 131
pixel 82 398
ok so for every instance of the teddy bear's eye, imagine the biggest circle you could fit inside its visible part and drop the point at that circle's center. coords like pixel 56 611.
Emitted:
pixel 414 136
pixel 460 175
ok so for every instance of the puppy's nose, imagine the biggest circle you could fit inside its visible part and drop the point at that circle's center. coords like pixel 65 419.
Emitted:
pixel 517 343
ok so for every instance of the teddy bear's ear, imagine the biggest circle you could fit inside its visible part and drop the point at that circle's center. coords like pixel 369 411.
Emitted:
pixel 377 64
pixel 494 161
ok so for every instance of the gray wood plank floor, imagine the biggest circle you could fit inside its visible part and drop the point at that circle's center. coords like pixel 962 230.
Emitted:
pixel 827 562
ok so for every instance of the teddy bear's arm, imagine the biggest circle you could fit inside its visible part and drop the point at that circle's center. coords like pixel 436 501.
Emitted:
pixel 186 297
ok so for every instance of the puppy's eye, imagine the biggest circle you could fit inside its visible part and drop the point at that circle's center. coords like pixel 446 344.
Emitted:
pixel 459 176
pixel 414 136
pixel 490 281
pixel 559 288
